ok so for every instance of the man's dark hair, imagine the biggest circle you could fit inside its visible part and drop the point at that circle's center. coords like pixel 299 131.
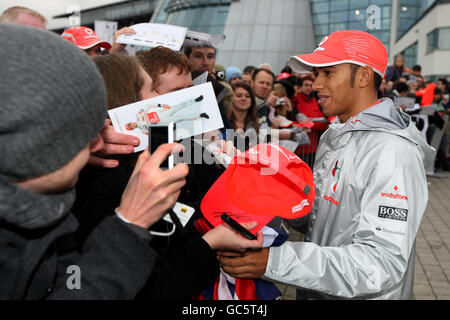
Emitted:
pixel 307 78
pixel 248 69
pixel 286 69
pixel 401 87
pixel 255 73
pixel 377 79
pixel 444 82
pixel 417 68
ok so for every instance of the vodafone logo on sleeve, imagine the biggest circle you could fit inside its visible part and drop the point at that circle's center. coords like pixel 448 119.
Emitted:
pixel 394 195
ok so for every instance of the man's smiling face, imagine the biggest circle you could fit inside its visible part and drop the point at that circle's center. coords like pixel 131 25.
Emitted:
pixel 334 89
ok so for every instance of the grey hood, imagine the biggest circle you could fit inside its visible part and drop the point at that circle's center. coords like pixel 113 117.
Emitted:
pixel 371 194
pixel 27 210
pixel 385 117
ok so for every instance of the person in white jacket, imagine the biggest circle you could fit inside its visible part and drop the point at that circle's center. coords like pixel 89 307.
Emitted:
pixel 371 188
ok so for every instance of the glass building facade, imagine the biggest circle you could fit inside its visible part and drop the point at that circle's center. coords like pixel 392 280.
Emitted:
pixel 197 15
pixel 410 55
pixel 329 16
pixel 408 13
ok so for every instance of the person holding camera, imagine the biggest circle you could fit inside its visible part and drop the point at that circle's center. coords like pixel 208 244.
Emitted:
pixel 48 129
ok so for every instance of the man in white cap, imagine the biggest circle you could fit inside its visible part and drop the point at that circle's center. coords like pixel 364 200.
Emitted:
pixel 371 188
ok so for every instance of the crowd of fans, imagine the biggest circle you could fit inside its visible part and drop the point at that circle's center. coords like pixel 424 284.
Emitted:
pixel 257 98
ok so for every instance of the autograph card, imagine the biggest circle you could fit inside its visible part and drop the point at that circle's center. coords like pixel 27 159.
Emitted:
pixel 155 34
pixel 194 111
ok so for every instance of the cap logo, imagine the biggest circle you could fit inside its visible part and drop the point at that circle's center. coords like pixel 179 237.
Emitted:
pixel 319 48
pixel 88 31
pixel 300 206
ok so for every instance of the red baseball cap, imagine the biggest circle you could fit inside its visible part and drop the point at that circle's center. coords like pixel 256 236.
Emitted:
pixel 349 46
pixel 84 38
pixel 260 184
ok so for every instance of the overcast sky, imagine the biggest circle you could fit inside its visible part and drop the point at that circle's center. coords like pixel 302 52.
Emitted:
pixel 50 8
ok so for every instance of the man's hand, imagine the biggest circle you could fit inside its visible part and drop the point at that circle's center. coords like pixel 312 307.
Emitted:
pixel 151 191
pixel 248 264
pixel 118 47
pixel 114 143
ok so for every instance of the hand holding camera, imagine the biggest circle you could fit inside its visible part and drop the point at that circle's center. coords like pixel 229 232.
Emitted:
pixel 151 191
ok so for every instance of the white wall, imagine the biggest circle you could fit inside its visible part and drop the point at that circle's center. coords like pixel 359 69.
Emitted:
pixel 270 31
pixel 437 62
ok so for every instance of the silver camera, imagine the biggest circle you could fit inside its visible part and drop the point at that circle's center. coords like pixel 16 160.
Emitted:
pixel 280 102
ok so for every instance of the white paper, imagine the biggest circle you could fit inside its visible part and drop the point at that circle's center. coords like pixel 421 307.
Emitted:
pixel 183 212
pixel 105 30
pixel 200 39
pixel 155 34
pixel 191 117
pixel 407 102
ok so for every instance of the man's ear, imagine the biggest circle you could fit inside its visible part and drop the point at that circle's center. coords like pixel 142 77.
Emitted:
pixel 365 76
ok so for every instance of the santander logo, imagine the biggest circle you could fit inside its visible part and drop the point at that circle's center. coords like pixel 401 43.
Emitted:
pixel 394 195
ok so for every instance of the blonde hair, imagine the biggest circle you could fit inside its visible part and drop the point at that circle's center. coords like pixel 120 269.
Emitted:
pixel 10 15
pixel 280 91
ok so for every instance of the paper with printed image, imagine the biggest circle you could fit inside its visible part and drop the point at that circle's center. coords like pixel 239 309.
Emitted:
pixel 155 34
pixel 201 39
pixel 194 110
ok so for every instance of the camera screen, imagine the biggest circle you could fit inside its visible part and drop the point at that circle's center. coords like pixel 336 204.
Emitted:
pixel 157 137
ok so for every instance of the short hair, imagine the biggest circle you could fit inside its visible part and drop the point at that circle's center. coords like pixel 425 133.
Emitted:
pixel 248 69
pixel 258 70
pixel 122 79
pixel 306 78
pixel 10 15
pixel 444 81
pixel 159 60
pixel 377 79
pixel 401 87
pixel 417 68
pixel 188 50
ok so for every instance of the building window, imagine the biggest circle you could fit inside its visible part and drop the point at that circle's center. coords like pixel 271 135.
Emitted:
pixel 444 39
pixel 205 16
pixel 330 16
pixel 438 39
pixel 410 55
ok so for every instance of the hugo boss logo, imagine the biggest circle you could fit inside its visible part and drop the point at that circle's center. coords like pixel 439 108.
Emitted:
pixel 393 213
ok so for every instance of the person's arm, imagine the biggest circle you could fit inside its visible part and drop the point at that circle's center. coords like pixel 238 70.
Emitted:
pixel 114 263
pixel 376 260
pixel 184 271
pixel 118 47
pixel 116 260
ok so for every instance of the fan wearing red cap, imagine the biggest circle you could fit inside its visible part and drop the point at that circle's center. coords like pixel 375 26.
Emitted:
pixel 371 189
pixel 86 39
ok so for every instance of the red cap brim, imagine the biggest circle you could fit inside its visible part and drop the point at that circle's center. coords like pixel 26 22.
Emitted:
pixel 102 44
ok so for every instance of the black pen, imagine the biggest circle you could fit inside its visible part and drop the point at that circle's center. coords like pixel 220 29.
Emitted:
pixel 236 226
